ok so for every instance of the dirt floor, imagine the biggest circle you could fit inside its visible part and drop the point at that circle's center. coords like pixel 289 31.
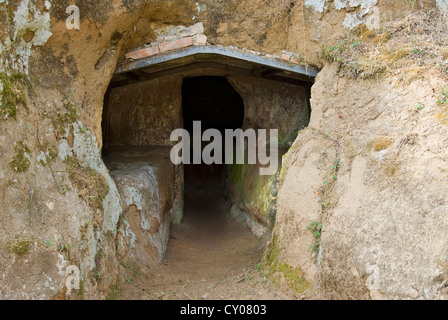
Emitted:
pixel 210 255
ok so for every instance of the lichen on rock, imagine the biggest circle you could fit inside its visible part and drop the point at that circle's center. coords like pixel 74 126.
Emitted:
pixel 30 27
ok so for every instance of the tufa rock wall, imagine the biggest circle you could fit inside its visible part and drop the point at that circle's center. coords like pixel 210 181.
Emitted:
pixel 384 224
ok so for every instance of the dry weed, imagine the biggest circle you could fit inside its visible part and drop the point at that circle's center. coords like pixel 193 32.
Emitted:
pixel 404 48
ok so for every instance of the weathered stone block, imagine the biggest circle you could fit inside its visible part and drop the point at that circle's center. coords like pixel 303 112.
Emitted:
pixel 200 40
pixel 146 192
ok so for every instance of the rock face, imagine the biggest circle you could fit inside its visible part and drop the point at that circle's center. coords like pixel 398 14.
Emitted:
pixel 144 114
pixel 443 5
pixel 268 104
pixel 370 167
pixel 271 104
pixel 382 219
pixel 145 183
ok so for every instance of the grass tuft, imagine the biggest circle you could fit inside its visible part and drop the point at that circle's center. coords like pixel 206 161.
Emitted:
pixel 404 48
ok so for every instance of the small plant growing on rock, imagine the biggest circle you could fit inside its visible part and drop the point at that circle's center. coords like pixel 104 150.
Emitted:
pixel 443 102
pixel 419 106
pixel 96 272
pixel 443 97
pixel 405 49
pixel 48 243
pixel 65 118
pixel 21 160
pixel 325 191
pixel 63 247
pixel 316 229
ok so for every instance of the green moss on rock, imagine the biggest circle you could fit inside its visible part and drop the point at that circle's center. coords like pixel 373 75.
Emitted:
pixel 12 94
pixel 254 191
pixel 275 270
pixel 237 171
pixel 19 245
pixel 21 160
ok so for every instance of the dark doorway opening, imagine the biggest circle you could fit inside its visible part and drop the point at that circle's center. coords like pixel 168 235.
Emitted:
pixel 214 102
